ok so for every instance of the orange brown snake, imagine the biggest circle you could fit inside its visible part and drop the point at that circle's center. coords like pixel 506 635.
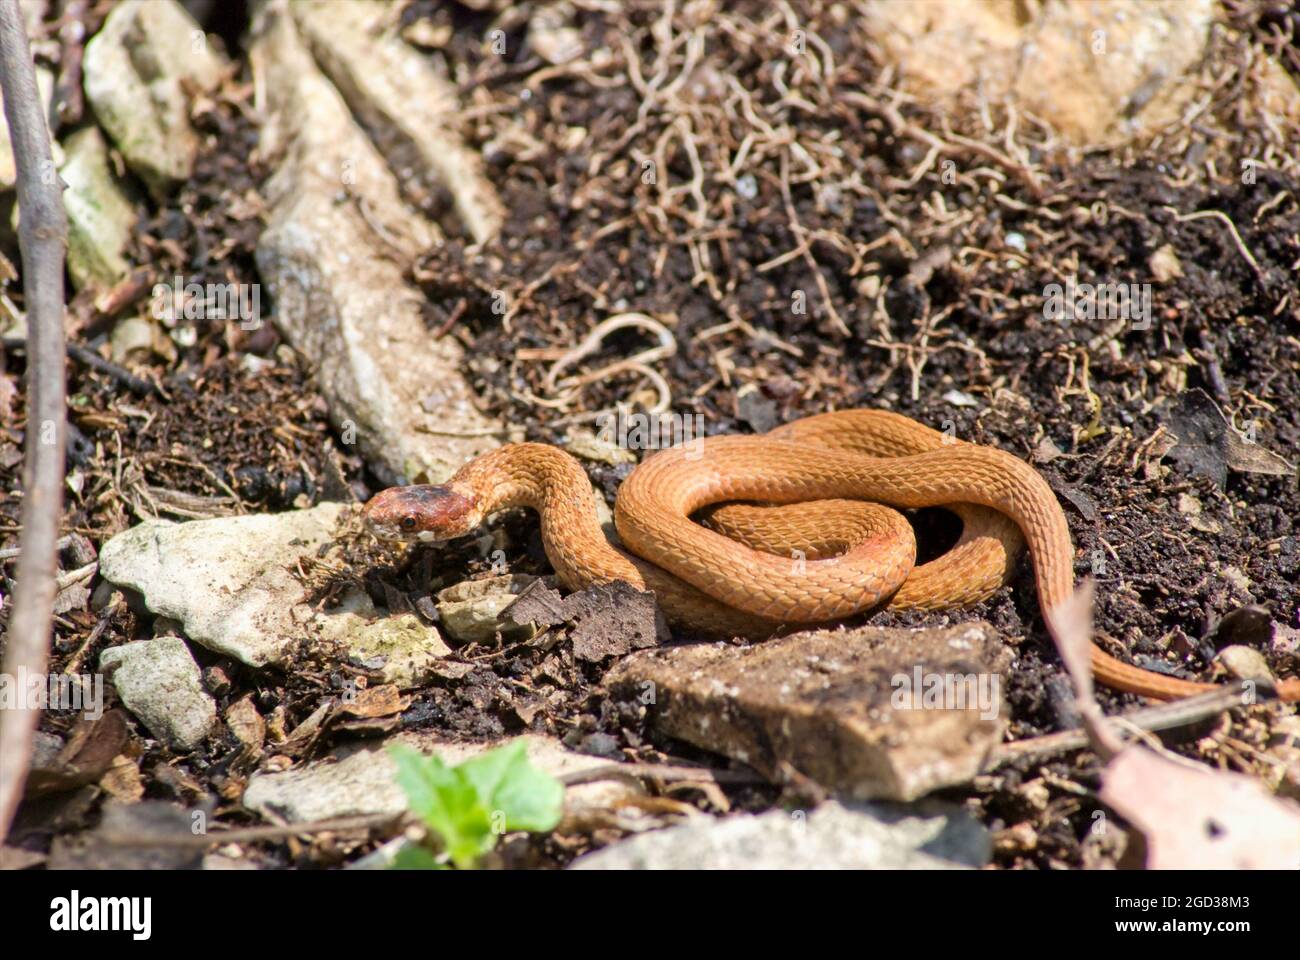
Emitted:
pixel 814 552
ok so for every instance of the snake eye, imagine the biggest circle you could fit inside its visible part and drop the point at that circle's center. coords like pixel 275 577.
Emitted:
pixel 408 523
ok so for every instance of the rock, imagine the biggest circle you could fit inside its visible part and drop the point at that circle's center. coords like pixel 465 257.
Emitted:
pixel 335 268
pixel 133 337
pixel 552 36
pixel 227 580
pixel 159 682
pixel 229 583
pixel 834 704
pixel 160 831
pixel 358 781
pixel 1164 264
pixel 831 837
pixel 139 69
pixel 101 214
pixel 408 108
pixel 1098 72
pixel 609 619
pixel 8 171
pixel 408 647
pixel 1246 663
pixel 472 610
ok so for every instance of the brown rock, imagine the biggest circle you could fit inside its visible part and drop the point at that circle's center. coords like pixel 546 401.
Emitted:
pixel 1099 72
pixel 834 705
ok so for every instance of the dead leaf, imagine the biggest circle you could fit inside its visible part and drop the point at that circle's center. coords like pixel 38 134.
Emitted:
pixel 122 781
pixel 1194 818
pixel 246 723
pixel 1209 445
pixel 89 752
pixel 371 702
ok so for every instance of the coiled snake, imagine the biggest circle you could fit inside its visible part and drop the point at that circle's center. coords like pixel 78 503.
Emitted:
pixel 821 546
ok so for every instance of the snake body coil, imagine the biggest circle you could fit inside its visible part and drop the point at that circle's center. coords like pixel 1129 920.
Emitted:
pixel 819 547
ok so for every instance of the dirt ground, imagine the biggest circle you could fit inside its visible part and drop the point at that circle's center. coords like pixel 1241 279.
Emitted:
pixel 947 299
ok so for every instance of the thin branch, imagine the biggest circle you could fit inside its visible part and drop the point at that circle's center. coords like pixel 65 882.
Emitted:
pixel 1162 716
pixel 42 236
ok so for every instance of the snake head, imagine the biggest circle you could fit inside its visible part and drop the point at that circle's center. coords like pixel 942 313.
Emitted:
pixel 421 512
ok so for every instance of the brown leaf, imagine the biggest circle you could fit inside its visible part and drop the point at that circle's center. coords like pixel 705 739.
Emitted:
pixel 89 752
pixel 1194 818
pixel 373 702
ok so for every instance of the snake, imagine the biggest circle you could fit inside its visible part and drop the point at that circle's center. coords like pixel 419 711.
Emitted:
pixel 748 535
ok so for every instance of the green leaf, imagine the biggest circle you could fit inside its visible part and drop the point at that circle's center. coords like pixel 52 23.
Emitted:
pixel 487 770
pixel 531 800
pixel 412 857
pixel 468 805
pixel 447 802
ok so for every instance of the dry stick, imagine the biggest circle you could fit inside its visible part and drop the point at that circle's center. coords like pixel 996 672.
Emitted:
pixel 42 236
pixel 1163 716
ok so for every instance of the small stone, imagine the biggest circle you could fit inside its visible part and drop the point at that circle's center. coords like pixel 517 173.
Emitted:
pixel 472 611
pixel 1164 264
pixel 159 682
pixel 1245 663
pixel 216 680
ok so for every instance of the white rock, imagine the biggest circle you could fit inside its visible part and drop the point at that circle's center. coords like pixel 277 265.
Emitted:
pixel 407 107
pixel 358 780
pixel 1098 72
pixel 830 837
pixel 229 582
pixel 137 68
pixel 408 646
pixel 8 171
pixel 471 610
pixel 101 215
pixel 159 682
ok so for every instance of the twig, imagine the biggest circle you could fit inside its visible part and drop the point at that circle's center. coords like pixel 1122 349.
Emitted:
pixel 89 358
pixel 1163 716
pixel 1232 229
pixel 665 772
pixel 253 834
pixel 8 553
pixel 42 236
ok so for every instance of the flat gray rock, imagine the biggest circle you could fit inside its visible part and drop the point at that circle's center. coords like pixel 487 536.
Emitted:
pixel 830 837
pixel 358 780
pixel 230 583
pixel 159 682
